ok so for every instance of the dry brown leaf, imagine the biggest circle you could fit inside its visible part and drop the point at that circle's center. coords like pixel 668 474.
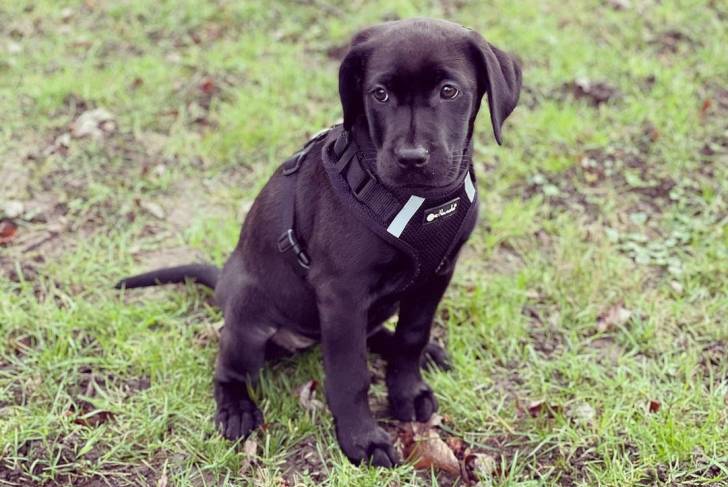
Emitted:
pixel 88 416
pixel 543 408
pixel 8 230
pixel 536 407
pixel 429 451
pixel 614 317
pixel 208 85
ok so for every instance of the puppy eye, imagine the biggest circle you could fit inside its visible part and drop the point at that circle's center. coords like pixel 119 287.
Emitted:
pixel 380 94
pixel 448 92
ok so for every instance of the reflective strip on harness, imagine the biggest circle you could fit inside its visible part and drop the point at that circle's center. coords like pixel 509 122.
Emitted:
pixel 469 188
pixel 405 215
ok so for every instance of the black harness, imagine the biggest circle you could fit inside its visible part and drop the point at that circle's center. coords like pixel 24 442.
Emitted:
pixel 429 227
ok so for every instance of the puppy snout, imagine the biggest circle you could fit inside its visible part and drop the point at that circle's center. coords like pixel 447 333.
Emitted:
pixel 408 157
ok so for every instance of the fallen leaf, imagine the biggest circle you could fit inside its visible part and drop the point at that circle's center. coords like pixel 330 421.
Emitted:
pixel 429 451
pixel 13 208
pixel 307 396
pixel 542 408
pixel 654 406
pixel 614 317
pixel 208 86
pixel 707 103
pixel 93 123
pixel 582 413
pixel 88 416
pixel 250 451
pixel 250 447
pixel 536 407
pixel 478 466
pixel 154 209
pixel 8 230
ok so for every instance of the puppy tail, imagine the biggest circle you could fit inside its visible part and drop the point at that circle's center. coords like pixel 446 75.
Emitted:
pixel 204 274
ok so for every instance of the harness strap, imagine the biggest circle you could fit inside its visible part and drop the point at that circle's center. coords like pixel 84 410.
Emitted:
pixel 288 243
pixel 363 183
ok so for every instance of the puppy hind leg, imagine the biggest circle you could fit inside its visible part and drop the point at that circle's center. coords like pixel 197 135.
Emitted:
pixel 240 359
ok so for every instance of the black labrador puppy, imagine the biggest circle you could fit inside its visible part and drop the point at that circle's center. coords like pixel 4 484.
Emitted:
pixel 365 221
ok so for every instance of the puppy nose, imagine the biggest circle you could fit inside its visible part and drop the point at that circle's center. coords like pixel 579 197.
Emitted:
pixel 412 156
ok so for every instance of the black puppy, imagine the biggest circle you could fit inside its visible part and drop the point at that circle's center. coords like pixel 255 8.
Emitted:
pixel 366 220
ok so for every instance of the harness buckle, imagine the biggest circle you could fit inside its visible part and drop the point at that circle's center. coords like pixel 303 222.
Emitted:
pixel 287 241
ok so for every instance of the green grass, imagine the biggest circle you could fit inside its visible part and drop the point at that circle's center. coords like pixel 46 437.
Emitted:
pixel 584 208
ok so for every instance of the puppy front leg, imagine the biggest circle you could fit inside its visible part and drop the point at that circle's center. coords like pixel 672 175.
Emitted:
pixel 343 343
pixel 410 398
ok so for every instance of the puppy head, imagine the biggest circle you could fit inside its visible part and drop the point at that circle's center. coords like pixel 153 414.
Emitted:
pixel 416 86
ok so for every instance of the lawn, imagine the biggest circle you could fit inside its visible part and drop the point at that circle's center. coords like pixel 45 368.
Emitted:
pixel 588 319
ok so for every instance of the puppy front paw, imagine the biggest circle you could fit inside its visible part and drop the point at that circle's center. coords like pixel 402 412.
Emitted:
pixel 418 404
pixel 367 444
pixel 237 415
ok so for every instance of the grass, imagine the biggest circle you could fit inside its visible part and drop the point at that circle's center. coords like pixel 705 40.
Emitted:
pixel 591 210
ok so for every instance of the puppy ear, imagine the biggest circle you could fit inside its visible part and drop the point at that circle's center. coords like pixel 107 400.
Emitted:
pixel 351 73
pixel 500 76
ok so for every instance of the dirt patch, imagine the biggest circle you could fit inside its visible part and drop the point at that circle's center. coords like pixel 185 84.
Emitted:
pixel 623 169
pixel 199 91
pixel 544 332
pixel 561 193
pixel 141 473
pixel 713 365
pixel 606 350
pixel 672 41
pixel 505 259
pixel 305 460
pixel 595 93
pixel 34 457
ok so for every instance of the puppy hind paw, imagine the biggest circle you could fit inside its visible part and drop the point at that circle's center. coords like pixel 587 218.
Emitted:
pixel 236 421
